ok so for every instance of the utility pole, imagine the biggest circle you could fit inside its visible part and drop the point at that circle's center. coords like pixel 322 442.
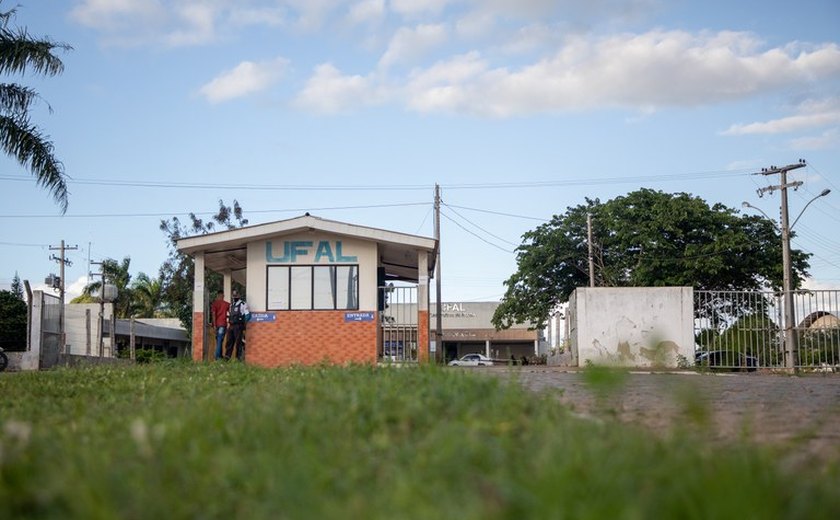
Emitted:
pixel 62 261
pixel 100 340
pixel 791 349
pixel 438 317
pixel 589 244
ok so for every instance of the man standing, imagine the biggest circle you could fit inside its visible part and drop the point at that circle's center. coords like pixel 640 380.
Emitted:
pixel 239 316
pixel 219 312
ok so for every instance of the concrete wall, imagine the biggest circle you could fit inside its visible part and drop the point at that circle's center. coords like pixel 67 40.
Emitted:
pixel 82 337
pixel 631 326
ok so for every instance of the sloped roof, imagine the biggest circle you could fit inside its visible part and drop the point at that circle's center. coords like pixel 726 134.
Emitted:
pixel 226 250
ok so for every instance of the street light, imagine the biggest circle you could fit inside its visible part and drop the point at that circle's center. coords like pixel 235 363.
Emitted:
pixel 823 193
pixel 791 347
pixel 746 204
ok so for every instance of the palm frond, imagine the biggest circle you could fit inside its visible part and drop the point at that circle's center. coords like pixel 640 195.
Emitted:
pixel 25 142
pixel 16 99
pixel 19 51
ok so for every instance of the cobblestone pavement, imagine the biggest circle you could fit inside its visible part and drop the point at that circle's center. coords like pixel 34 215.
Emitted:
pixel 797 411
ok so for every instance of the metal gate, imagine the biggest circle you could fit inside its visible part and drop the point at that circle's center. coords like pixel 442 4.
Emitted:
pixel 745 330
pixel 398 323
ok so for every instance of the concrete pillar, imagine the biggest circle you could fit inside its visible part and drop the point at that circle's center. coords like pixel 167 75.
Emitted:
pixel 198 309
pixel 536 347
pixel 424 352
pixel 487 348
pixel 227 285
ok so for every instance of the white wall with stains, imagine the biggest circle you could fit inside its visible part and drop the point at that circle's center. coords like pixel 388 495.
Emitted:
pixel 631 326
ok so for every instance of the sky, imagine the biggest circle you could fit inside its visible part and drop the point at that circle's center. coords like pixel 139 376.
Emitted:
pixel 354 110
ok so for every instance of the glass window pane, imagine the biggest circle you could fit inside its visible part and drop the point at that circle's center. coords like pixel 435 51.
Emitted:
pixel 301 293
pixel 324 293
pixel 278 288
pixel 347 287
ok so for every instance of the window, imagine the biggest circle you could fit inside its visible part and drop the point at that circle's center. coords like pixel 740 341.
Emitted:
pixel 313 287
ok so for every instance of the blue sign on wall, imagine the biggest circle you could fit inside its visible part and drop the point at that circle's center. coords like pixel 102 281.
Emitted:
pixel 259 317
pixel 358 316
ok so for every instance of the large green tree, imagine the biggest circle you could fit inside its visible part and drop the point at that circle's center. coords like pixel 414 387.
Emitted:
pixel 19 137
pixel 177 274
pixel 645 238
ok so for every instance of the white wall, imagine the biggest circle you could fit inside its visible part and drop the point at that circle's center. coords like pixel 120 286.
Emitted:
pixel 76 331
pixel 366 253
pixel 632 326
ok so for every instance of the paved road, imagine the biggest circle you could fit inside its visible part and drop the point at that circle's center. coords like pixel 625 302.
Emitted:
pixel 802 411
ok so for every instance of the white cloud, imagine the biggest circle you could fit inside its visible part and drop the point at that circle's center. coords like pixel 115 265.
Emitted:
pixel 270 16
pixel 168 22
pixel 71 290
pixel 116 14
pixel 409 44
pixel 532 37
pixel 75 288
pixel 198 25
pixel 122 22
pixel 366 11
pixel 246 78
pixel 635 71
pixel 475 25
pixel 312 14
pixel 815 285
pixel 329 91
pixel 417 7
pixel 810 114
pixel 830 139
pixel 785 124
pixel 645 71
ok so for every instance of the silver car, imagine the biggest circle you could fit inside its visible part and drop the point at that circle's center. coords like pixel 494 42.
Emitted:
pixel 472 360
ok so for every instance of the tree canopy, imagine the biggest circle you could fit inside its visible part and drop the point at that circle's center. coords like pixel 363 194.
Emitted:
pixel 643 239
pixel 12 321
pixel 19 138
pixel 177 274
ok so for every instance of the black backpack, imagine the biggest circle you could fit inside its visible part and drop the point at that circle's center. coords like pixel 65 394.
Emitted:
pixel 236 316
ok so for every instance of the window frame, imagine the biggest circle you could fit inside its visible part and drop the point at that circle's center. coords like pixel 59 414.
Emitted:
pixel 334 277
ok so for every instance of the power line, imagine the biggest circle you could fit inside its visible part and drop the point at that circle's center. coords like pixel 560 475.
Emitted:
pixel 23 245
pixel 210 213
pixel 480 228
pixel 499 213
pixel 587 181
pixel 497 246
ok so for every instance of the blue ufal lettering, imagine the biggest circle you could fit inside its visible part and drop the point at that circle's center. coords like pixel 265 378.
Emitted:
pixel 295 248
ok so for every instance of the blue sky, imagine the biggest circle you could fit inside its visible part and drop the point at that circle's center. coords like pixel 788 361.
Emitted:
pixel 353 110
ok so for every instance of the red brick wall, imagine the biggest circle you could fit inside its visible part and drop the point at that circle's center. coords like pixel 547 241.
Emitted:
pixel 198 336
pixel 310 337
pixel 423 336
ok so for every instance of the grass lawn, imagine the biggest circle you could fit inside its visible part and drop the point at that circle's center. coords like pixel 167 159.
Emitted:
pixel 182 440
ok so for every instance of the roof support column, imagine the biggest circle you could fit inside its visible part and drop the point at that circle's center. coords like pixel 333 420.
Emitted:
pixel 199 299
pixel 227 284
pixel 423 346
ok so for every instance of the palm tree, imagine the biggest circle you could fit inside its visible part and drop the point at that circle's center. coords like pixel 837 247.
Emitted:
pixel 19 138
pixel 116 273
pixel 148 297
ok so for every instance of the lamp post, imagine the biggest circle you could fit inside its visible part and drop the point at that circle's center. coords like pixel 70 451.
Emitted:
pixel 791 340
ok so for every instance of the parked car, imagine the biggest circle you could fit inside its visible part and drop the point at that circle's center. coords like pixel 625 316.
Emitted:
pixel 472 360
pixel 726 360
